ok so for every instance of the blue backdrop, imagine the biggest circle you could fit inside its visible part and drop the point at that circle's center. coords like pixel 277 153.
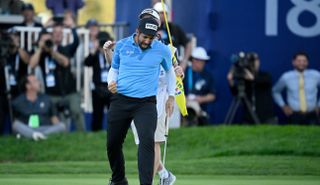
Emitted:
pixel 275 29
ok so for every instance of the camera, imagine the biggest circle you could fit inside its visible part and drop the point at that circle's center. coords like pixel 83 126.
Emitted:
pixel 103 37
pixel 58 19
pixel 48 43
pixel 242 62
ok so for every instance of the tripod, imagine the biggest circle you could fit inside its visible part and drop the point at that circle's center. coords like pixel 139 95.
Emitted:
pixel 241 98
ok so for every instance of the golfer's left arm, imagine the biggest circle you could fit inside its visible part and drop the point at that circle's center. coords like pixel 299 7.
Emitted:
pixel 171 81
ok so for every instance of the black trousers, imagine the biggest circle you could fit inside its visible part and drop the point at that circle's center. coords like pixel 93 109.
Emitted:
pixel 100 100
pixel 3 112
pixel 309 118
pixel 122 111
pixel 5 109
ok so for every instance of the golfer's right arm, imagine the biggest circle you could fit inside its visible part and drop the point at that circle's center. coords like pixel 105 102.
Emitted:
pixel 112 79
pixel 114 71
pixel 107 48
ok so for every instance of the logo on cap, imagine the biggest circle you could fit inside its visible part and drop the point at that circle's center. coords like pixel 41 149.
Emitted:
pixel 151 27
pixel 147 11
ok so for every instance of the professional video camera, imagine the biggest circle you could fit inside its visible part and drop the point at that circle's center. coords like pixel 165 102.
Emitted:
pixel 242 62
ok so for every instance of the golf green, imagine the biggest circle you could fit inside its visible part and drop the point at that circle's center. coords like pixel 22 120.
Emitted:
pixel 84 179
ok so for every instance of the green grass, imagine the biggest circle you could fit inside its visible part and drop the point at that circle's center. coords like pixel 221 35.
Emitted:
pixel 230 165
pixel 240 154
pixel 181 180
pixel 185 143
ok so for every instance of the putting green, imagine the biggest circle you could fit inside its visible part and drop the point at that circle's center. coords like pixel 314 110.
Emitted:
pixel 84 179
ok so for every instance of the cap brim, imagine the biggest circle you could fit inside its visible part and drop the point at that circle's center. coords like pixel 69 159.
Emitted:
pixel 203 58
pixel 149 32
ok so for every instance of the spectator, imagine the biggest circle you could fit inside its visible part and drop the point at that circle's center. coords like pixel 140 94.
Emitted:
pixel 17 63
pixel 65 19
pixel 179 38
pixel 199 88
pixel 35 116
pixel 99 86
pixel 301 85
pixel 8 7
pixel 258 87
pixel 93 26
pixel 54 60
pixel 59 7
pixel 28 14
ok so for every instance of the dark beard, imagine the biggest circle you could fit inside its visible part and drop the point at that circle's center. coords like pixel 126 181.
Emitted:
pixel 142 48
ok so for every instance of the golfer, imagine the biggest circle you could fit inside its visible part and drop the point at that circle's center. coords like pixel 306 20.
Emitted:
pixel 133 78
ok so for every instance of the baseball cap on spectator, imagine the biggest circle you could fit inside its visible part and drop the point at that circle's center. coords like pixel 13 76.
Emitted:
pixel 92 22
pixel 148 26
pixel 159 8
pixel 27 6
pixel 151 12
pixel 200 53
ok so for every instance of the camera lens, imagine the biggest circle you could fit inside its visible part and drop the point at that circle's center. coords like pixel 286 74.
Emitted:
pixel 49 43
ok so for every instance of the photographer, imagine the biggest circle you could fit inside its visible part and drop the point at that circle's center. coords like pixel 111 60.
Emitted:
pixel 199 88
pixel 13 66
pixel 257 85
pixel 99 86
pixel 54 60
pixel 17 63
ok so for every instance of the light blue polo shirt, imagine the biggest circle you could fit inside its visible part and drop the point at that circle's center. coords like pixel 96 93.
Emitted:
pixel 139 69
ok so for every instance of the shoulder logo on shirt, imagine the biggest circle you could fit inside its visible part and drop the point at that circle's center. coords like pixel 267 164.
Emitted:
pixel 129 52
pixel 41 104
pixel 199 84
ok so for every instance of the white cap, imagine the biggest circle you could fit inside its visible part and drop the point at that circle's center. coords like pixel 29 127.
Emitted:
pixel 158 7
pixel 150 11
pixel 200 53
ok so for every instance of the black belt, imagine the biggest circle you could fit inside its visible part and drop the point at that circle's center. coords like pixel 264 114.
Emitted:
pixel 149 98
pixel 304 113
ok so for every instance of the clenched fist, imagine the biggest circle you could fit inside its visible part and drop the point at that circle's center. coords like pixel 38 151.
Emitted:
pixel 112 87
